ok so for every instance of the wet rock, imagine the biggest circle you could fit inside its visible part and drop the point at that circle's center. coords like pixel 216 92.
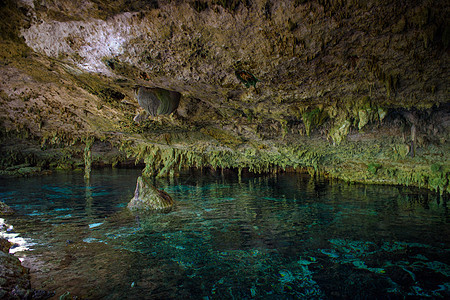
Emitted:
pixel 23 170
pixel 5 245
pixel 15 278
pixel 28 171
pixel 5 209
pixel 147 197
pixel 157 101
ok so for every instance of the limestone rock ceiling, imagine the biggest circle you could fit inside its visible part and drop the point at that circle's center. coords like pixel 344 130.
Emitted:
pixel 305 53
pixel 299 51
pixel 251 73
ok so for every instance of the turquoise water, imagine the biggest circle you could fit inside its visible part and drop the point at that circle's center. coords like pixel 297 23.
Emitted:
pixel 268 237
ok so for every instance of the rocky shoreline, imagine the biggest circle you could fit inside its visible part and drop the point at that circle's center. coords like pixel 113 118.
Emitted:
pixel 15 279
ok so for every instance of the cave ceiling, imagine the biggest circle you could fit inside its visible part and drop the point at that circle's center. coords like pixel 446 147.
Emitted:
pixel 251 73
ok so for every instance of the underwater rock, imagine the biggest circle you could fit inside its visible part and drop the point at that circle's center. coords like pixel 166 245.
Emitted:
pixel 147 197
pixel 5 209
pixel 157 101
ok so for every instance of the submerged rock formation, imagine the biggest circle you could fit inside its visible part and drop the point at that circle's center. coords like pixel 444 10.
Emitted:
pixel 336 83
pixel 147 197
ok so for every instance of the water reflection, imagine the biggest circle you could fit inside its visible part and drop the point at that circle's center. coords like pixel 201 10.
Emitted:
pixel 278 236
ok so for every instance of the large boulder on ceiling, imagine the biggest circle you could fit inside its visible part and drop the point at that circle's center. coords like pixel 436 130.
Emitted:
pixel 157 101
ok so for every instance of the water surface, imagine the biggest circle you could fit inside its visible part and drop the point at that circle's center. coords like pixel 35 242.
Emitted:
pixel 268 237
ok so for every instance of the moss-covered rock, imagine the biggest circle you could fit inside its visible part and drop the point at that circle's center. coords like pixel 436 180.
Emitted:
pixel 147 197
pixel 340 131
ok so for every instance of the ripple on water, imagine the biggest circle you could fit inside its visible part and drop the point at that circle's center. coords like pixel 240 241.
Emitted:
pixel 264 237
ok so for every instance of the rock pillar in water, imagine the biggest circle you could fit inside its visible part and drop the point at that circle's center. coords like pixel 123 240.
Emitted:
pixel 147 197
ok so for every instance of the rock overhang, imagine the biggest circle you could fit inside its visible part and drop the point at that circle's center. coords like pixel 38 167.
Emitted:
pixel 326 69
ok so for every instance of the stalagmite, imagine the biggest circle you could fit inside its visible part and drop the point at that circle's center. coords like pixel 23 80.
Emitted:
pixel 147 197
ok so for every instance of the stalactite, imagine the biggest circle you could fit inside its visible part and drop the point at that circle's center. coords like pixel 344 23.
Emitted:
pixel 88 157
pixel 413 140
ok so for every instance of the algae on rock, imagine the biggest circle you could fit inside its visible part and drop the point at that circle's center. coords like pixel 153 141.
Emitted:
pixel 88 157
pixel 147 197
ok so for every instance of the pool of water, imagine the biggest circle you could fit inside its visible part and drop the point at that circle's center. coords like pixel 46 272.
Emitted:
pixel 268 237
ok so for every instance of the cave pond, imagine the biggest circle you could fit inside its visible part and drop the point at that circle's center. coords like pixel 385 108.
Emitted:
pixel 285 236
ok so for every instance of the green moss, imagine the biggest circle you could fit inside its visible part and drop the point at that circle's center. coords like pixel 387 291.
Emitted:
pixel 363 116
pixel 340 131
pixel 364 161
pixel 373 168
pixel 401 150
pixel 161 161
pixel 313 118
pixel 89 141
pixel 222 136
pixel 381 113
pixel 435 168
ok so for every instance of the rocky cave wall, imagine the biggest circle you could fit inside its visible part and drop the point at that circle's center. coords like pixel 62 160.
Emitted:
pixel 358 90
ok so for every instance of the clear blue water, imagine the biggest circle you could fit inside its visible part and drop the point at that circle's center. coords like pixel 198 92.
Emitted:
pixel 268 237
